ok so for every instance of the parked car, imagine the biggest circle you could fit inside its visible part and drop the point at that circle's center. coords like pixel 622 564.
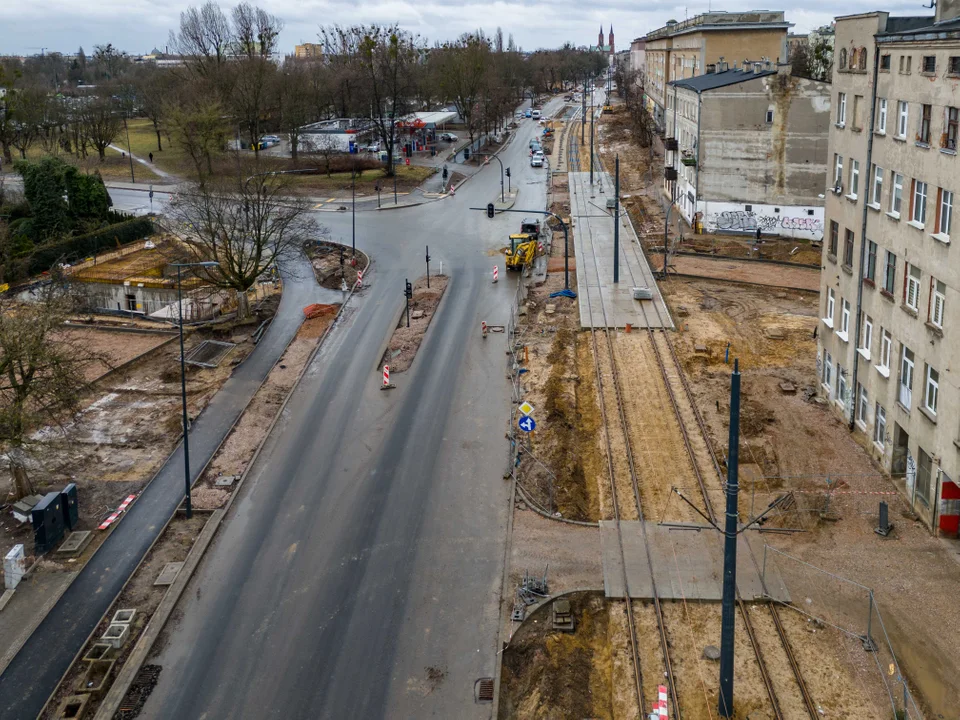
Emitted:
pixel 518 116
pixel 537 160
pixel 535 147
pixel 270 139
pixel 372 147
pixel 449 137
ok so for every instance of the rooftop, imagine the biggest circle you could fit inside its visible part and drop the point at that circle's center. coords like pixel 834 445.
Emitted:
pixel 718 20
pixel 710 81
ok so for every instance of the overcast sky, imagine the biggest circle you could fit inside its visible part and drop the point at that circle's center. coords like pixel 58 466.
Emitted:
pixel 137 26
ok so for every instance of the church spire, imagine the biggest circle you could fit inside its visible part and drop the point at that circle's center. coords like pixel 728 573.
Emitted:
pixel 600 40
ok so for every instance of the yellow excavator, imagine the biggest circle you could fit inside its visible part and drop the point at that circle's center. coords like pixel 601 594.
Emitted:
pixel 523 245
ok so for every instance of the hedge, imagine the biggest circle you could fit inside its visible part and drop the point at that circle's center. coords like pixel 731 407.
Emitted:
pixel 75 248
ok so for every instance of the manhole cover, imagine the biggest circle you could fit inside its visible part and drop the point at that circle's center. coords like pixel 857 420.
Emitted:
pixel 484 690
pixel 209 353
pixel 168 574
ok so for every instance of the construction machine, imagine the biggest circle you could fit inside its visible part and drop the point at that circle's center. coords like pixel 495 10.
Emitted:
pixel 523 245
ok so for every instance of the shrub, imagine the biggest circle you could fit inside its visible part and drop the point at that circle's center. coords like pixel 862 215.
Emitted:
pixel 72 249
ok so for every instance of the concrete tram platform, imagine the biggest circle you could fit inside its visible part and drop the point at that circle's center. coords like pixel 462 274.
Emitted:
pixel 687 563
pixel 610 304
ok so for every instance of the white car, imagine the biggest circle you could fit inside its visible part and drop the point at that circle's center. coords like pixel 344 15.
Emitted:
pixel 537 160
pixel 535 114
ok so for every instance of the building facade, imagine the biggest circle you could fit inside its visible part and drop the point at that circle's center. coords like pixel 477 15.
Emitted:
pixel 607 48
pixel 308 51
pixel 683 50
pixel 638 56
pixel 751 150
pixel 890 287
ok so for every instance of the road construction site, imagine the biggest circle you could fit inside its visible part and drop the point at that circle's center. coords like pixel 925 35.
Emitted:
pixel 632 445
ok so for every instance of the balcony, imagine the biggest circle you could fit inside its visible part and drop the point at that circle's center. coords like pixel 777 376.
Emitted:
pixel 688 158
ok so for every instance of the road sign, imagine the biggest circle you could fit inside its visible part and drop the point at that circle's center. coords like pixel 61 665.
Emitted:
pixel 526 408
pixel 151 192
pixel 527 424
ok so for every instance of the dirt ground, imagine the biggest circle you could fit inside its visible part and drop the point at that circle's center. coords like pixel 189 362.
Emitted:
pixel 753 273
pixel 405 342
pixel 114 347
pixel 325 258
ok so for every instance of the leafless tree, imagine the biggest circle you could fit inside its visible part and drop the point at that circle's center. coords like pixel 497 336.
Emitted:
pixel 464 72
pixel 195 122
pixel 246 225
pixel 203 39
pixel 101 123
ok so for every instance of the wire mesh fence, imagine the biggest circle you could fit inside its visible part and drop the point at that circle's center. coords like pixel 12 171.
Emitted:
pixel 830 601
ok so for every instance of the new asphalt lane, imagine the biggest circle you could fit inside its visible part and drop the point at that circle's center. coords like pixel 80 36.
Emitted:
pixel 358 574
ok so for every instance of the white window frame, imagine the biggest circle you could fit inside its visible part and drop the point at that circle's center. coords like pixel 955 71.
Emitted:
pixel 896 194
pixel 880 427
pixel 854 179
pixel 841 110
pixel 938 302
pixel 919 215
pixel 866 337
pixel 877 193
pixel 905 386
pixel 826 377
pixel 841 386
pixel 945 219
pixel 881 116
pixel 863 406
pixel 844 332
pixel 831 307
pixel 931 392
pixel 911 296
pixel 837 170
pixel 903 118
pixel 886 348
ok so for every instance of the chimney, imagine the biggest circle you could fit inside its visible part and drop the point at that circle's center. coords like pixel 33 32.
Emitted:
pixel 757 67
pixel 711 69
pixel 947 10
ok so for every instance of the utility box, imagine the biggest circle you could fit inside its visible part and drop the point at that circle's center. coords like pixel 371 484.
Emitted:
pixel 14 567
pixel 47 523
pixel 71 511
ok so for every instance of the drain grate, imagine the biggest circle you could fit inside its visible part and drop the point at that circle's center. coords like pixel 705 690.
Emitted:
pixel 209 353
pixel 139 691
pixel 483 690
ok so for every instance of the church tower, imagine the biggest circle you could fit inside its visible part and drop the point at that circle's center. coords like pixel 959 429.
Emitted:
pixel 611 38
pixel 600 39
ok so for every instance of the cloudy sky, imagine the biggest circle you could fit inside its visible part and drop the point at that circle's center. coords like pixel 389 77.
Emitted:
pixel 137 26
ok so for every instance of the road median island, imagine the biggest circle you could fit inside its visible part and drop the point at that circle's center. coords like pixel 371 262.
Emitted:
pixel 405 341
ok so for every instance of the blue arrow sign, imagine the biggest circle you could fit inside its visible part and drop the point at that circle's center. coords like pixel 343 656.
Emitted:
pixel 526 423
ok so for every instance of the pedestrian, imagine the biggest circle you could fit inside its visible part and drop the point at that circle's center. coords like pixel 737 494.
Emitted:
pixel 151 157
pixel 758 234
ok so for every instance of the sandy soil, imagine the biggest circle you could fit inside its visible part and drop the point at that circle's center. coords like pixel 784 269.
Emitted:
pixel 405 342
pixel 112 347
pixel 770 248
pixel 755 273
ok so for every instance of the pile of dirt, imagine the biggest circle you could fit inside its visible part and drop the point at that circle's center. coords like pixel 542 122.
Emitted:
pixel 405 342
pixel 334 263
pixel 549 674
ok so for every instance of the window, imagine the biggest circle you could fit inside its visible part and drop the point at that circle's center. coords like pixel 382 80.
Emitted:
pixel 841 109
pixel 885 62
pixel 877 191
pixel 950 136
pixel 929 63
pixel 945 213
pixel 924 136
pixel 863 405
pixel 882 115
pixel 844 319
pixel 886 344
pixel 911 289
pixel 841 384
pixel 834 237
pixel 880 426
pixel 831 302
pixel 769 116
pixel 848 240
pixel 919 204
pixel 896 194
pixel 906 377
pixel 866 335
pixel 827 370
pixel 854 179
pixel 890 272
pixel 870 269
pixel 903 113
pixel 843 59
pixel 938 300
pixel 932 390
pixel 857 107
pixel 924 472
pixel 954 68
pixel 837 171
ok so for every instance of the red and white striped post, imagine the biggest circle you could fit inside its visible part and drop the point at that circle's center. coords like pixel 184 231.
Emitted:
pixel 540 248
pixel 359 278
pixel 496 273
pixel 483 329
pixel 662 701
pixel 387 385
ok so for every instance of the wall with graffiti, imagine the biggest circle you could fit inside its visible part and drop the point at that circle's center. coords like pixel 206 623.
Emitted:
pixel 803 222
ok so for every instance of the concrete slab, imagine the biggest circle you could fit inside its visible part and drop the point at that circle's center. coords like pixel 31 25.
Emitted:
pixel 604 303
pixel 687 563
pixel 75 543
pixel 168 574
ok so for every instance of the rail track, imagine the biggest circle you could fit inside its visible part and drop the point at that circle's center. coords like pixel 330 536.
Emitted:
pixel 678 390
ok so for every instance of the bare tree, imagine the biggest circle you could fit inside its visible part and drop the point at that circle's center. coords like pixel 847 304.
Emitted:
pixel 41 373
pixel 195 122
pixel 101 124
pixel 244 225
pixel 294 102
pixel 464 68
pixel 203 39
pixel 28 106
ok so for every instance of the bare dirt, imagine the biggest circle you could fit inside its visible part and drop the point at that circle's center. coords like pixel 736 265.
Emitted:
pixel 330 272
pixel 791 250
pixel 113 347
pixel 405 341
pixel 749 272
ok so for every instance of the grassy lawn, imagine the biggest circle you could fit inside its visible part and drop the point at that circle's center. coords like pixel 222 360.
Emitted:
pixel 143 141
pixel 114 166
pixel 408 177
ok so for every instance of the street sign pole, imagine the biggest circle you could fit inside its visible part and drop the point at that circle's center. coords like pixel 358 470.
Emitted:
pixel 428 266
pixel 151 199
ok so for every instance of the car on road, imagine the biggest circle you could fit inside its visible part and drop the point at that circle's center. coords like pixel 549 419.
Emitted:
pixel 518 116
pixel 536 115
pixel 535 148
pixel 528 113
pixel 537 159
pixel 449 137
pixel 270 139
pixel 534 141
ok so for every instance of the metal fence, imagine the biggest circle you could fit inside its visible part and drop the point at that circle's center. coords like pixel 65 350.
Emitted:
pixel 830 600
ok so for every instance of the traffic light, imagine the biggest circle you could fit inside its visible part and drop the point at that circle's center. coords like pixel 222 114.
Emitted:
pixel 408 290
pixel 466 153
pixel 507 172
pixel 490 210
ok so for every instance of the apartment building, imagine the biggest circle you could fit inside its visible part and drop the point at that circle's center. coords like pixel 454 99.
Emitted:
pixel 890 287
pixel 751 150
pixel 682 50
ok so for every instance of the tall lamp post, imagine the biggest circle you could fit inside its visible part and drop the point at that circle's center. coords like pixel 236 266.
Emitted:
pixel 183 380
pixel 488 155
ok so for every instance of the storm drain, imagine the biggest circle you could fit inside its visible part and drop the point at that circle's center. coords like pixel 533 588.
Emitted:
pixel 139 691
pixel 209 353
pixel 483 690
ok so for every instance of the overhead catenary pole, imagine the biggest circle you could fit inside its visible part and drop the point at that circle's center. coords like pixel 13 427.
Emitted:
pixel 591 132
pixel 728 608
pixel 353 207
pixel 183 397
pixel 616 221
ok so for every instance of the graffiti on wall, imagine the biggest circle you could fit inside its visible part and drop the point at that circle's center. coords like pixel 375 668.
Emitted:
pixel 745 221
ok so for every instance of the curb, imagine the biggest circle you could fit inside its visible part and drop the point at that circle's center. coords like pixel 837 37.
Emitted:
pixel 158 620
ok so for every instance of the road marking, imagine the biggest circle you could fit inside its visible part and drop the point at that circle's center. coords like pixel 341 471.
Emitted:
pixel 330 199
pixel 318 206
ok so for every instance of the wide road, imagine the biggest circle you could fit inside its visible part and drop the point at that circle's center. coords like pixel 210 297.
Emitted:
pixel 358 575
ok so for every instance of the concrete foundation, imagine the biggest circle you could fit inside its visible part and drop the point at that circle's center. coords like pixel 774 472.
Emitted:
pixel 116 635
pixel 73 708
pixel 96 679
pixel 99 651
pixel 75 544
pixel 124 616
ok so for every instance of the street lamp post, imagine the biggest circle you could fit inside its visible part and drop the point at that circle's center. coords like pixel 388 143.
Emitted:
pixel 353 208
pixel 488 155
pixel 183 382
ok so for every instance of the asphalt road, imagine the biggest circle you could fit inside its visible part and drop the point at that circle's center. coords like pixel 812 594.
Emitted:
pixel 359 572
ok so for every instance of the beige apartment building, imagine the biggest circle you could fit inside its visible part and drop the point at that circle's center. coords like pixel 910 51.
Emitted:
pixel 890 286
pixel 682 50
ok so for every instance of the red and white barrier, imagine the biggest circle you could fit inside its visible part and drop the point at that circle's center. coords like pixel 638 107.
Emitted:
pixel 386 375
pixel 114 515
pixel 540 248
pixel 662 701
pixel 483 328
pixel 496 273
pixel 359 278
